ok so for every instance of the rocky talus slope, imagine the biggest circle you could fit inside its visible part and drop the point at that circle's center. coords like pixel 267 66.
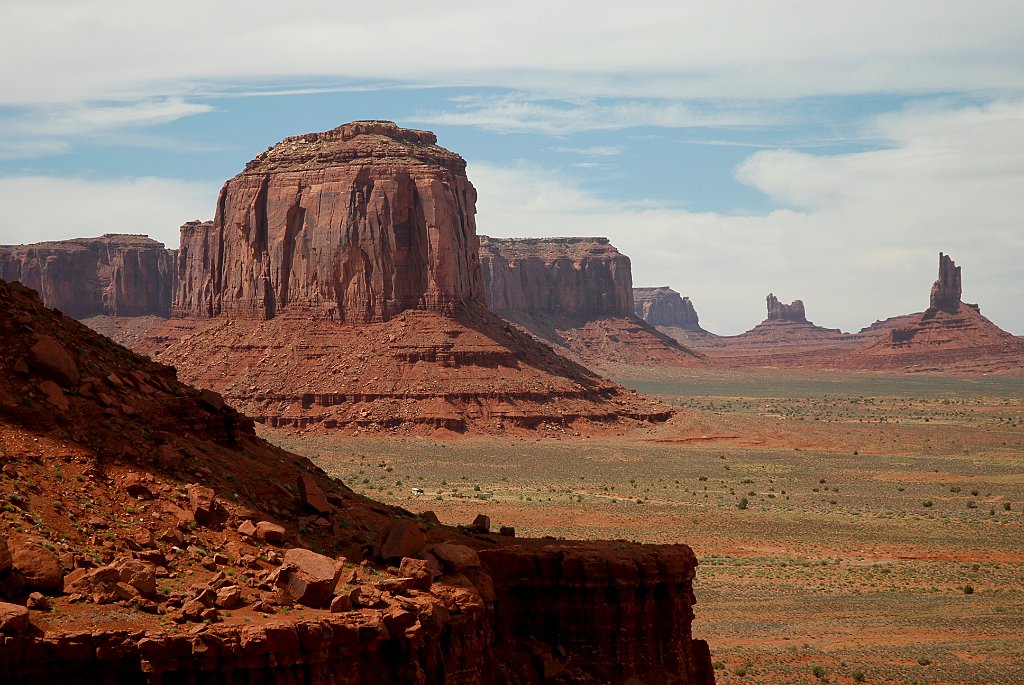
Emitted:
pixel 150 537
pixel 339 287
pixel 576 294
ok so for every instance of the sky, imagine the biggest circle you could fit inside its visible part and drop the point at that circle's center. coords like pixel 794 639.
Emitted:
pixel 820 150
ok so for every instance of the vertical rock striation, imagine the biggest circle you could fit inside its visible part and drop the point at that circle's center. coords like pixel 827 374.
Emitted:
pixel 112 275
pixel 578 294
pixel 354 224
pixel 575 277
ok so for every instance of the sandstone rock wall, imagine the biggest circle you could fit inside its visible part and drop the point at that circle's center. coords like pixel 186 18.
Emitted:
pixel 578 277
pixel 354 224
pixel 779 311
pixel 112 275
pixel 665 307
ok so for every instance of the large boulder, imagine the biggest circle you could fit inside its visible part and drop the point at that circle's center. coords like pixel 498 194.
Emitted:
pixel 308 578
pixel 49 358
pixel 14 618
pixel 39 566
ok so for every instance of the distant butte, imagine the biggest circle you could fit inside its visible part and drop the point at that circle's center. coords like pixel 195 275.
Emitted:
pixel 577 294
pixel 950 335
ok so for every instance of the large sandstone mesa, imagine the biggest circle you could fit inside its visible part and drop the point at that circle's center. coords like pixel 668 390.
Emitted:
pixel 340 286
pixel 112 275
pixel 576 293
pixel 169 544
pixel 576 278
pixel 354 224
pixel 951 335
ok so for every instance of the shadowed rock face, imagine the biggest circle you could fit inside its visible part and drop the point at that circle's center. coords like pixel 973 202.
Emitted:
pixel 778 311
pixel 665 307
pixel 113 275
pixel 585 278
pixel 354 224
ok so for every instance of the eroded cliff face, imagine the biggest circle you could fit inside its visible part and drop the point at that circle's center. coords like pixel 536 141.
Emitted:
pixel 581 278
pixel 354 224
pixel 665 307
pixel 780 311
pixel 112 275
pixel 577 294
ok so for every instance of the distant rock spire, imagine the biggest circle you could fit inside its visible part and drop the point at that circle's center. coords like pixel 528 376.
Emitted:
pixel 946 291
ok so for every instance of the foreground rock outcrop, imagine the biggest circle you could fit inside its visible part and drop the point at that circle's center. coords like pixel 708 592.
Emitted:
pixel 152 537
pixel 577 294
pixel 340 286
pixel 112 275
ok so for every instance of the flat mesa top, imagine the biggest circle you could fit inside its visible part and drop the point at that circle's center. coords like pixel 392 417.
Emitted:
pixel 653 291
pixel 358 141
pixel 114 239
pixel 549 248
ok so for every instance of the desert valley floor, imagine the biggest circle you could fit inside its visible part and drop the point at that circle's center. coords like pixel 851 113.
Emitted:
pixel 850 528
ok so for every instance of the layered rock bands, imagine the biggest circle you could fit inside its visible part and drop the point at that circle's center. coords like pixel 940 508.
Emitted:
pixel 340 285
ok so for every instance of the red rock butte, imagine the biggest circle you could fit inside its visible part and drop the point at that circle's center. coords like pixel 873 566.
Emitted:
pixel 339 285
pixel 575 293
pixel 354 224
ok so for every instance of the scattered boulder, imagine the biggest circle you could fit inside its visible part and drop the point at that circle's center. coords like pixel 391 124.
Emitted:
pixel 49 358
pixel 404 539
pixel 312 495
pixel 341 603
pixel 136 486
pixel 507 531
pixel 308 578
pixel 481 524
pixel 54 395
pixel 13 618
pixel 230 597
pixel 125 578
pixel 247 528
pixel 455 557
pixel 201 501
pixel 39 566
pixel 271 532
pixel 418 571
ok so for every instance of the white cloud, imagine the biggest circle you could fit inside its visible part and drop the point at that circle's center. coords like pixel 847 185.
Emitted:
pixel 68 50
pixel 859 243
pixel 522 112
pixel 49 129
pixel 592 151
pixel 38 208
